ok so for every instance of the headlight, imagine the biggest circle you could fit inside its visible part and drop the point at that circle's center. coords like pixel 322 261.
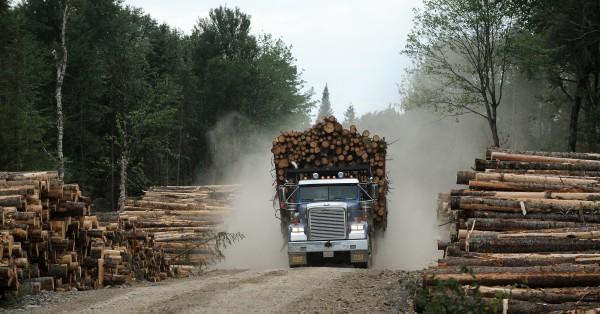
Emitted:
pixel 299 229
pixel 357 227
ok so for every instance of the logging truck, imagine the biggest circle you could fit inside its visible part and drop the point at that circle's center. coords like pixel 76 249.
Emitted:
pixel 330 214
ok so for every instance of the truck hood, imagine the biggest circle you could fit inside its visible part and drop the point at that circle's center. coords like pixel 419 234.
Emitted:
pixel 326 204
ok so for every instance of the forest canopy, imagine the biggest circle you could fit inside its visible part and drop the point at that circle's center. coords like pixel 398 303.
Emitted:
pixel 135 88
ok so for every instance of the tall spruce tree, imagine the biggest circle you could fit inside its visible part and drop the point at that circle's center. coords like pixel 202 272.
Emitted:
pixel 325 108
pixel 349 116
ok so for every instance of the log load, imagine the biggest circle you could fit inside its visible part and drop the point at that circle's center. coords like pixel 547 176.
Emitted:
pixel 181 220
pixel 527 227
pixel 328 144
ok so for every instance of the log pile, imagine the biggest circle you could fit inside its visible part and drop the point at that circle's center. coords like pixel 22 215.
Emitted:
pixel 50 241
pixel 180 220
pixel 329 144
pixel 527 229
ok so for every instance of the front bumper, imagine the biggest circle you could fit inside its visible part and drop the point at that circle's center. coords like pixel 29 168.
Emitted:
pixel 328 246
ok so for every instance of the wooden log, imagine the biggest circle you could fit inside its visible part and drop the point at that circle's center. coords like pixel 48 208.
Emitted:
pixel 12 201
pixel 55 189
pixel 566 217
pixel 536 179
pixel 165 205
pixel 529 245
pixel 523 205
pixel 532 187
pixel 548 295
pixel 576 169
pixel 47 283
pixel 58 270
pixel 519 260
pixel 114 279
pixel 492 224
pixel 563 275
pixel 570 155
pixel 527 195
pixel 542 159
pixel 574 233
pixel 19 190
pixel 526 307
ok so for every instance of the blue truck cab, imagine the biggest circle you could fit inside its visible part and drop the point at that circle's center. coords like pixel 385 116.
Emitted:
pixel 329 215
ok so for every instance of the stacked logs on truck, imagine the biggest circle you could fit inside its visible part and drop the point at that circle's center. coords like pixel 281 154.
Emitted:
pixel 527 230
pixel 329 144
pixel 181 221
pixel 49 239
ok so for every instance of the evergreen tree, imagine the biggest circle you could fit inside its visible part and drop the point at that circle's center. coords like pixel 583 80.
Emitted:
pixel 349 116
pixel 140 99
pixel 325 108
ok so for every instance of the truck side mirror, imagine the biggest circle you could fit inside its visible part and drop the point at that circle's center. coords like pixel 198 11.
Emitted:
pixel 281 192
pixel 374 191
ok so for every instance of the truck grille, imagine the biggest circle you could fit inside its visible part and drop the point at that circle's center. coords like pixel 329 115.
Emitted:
pixel 327 223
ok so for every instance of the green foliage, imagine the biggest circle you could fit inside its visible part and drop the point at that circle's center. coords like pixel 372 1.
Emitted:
pixel 130 79
pixel 464 47
pixel 560 41
pixel 325 107
pixel 449 296
pixel 25 72
pixel 349 116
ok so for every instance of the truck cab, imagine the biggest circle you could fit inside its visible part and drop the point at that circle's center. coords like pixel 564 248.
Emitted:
pixel 330 216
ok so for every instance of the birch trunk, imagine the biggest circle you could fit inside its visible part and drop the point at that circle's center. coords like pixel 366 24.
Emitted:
pixel 61 68
pixel 124 163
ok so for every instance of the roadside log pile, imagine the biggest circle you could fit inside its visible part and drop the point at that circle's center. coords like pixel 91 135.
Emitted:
pixel 527 229
pixel 50 240
pixel 329 144
pixel 181 220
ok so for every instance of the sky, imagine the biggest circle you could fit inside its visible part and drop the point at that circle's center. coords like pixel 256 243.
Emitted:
pixel 352 46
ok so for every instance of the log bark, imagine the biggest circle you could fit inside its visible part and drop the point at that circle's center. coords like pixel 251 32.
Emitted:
pixel 570 155
pixel 519 260
pixel 524 205
pixel 542 159
pixel 564 275
pixel 548 295
pixel 529 245
pixel 564 217
pixel 527 195
pixel 577 169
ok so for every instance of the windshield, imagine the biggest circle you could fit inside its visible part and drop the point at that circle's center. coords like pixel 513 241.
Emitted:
pixel 328 193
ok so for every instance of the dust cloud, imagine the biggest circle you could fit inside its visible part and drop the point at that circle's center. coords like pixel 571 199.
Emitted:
pixel 242 156
pixel 425 153
pixel 254 216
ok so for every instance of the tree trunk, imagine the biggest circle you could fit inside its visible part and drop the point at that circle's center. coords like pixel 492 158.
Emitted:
pixel 548 295
pixel 494 130
pixel 563 275
pixel 529 245
pixel 124 163
pixel 491 224
pixel 575 109
pixel 61 68
pixel 572 155
pixel 518 260
pixel 564 217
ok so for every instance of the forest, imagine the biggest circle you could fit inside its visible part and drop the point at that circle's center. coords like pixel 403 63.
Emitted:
pixel 530 69
pixel 142 103
pixel 135 90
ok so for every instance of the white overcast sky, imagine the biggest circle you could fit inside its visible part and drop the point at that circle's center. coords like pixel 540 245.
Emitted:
pixel 353 46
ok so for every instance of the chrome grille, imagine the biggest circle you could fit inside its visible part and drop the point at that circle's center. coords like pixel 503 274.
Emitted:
pixel 327 223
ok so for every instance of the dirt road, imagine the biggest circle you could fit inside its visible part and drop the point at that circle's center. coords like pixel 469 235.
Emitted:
pixel 301 290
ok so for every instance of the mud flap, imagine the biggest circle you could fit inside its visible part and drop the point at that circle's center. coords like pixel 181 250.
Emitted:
pixel 297 259
pixel 359 257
